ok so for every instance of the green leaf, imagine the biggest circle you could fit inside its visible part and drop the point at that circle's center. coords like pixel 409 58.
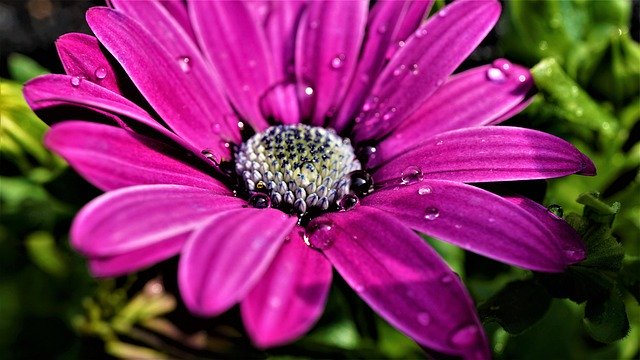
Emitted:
pixel 517 306
pixel 44 253
pixel 630 277
pixel 23 68
pixel 569 102
pixel 606 319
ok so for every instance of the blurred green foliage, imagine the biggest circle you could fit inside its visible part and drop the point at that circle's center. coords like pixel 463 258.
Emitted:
pixel 587 71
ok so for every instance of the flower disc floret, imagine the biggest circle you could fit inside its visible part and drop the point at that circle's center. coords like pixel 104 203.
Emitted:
pixel 299 167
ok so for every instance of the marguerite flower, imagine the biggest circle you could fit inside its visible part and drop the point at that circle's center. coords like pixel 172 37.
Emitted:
pixel 267 142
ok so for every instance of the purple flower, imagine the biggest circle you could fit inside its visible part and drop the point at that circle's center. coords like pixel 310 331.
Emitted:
pixel 195 131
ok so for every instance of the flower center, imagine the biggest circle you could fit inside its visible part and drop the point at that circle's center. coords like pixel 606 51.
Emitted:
pixel 296 167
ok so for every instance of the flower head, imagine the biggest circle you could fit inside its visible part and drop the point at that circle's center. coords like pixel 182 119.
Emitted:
pixel 265 143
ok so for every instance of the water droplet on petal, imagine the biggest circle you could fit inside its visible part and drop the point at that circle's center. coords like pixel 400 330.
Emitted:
pixel 348 202
pixel 313 24
pixel 210 155
pixel 424 190
pixel 308 90
pixel 338 61
pixel 185 64
pixel 503 65
pixel 100 73
pixel 401 43
pixel 424 318
pixel 522 78
pixel 382 29
pixel 275 302
pixel 411 175
pixel 414 69
pixel 442 13
pixel 76 81
pixel 465 336
pixel 320 234
pixel 240 125
pixel 389 114
pixel 399 70
pixel 421 32
pixel 431 213
pixel 259 201
pixel 496 75
pixel 556 211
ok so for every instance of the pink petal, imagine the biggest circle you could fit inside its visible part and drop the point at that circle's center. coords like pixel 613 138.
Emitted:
pixel 178 10
pixel 111 158
pixel 570 242
pixel 138 259
pixel 157 20
pixel 181 102
pixel 491 153
pixel 475 220
pixel 225 258
pixel 402 279
pixel 136 217
pixel 388 23
pixel 281 101
pixel 430 55
pixel 236 45
pixel 327 46
pixel 469 99
pixel 291 295
pixel 81 56
pixel 54 90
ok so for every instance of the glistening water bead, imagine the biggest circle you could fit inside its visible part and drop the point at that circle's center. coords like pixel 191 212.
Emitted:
pixel 299 168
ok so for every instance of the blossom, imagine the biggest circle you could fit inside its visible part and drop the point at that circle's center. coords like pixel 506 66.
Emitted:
pixel 266 143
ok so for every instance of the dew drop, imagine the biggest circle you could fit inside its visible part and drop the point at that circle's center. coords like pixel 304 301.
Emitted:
pixel 421 32
pixel 425 190
pixel 399 70
pixel 185 64
pixel 431 213
pixel 348 202
pixel 210 155
pixel 216 128
pixel 100 73
pixel 411 175
pixel 424 318
pixel 522 78
pixel 543 45
pixel 319 234
pixel 465 336
pixel 401 43
pixel 275 302
pixel 368 153
pixel 382 29
pixel 389 114
pixel 246 88
pixel 240 125
pixel 308 91
pixel 442 13
pixel 338 61
pixel 502 64
pixel 76 81
pixel 556 211
pixel 414 69
pixel 313 24
pixel 440 142
pixel 496 75
pixel 259 201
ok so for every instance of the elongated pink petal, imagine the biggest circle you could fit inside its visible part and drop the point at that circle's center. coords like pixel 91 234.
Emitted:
pixel 490 153
pixel 572 246
pixel 225 258
pixel 158 74
pixel 327 47
pixel 413 15
pixel 178 10
pixel 81 56
pixel 157 20
pixel 280 27
pixel 430 55
pixel 291 295
pixel 388 22
pixel 53 90
pixel 136 217
pixel 402 279
pixel 236 45
pixel 138 259
pixel 475 220
pixel 475 97
pixel 111 158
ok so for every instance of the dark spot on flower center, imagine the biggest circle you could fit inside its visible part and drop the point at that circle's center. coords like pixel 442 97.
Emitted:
pixel 299 167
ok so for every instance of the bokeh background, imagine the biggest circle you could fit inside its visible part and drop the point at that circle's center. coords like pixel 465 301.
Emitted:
pixel 586 62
